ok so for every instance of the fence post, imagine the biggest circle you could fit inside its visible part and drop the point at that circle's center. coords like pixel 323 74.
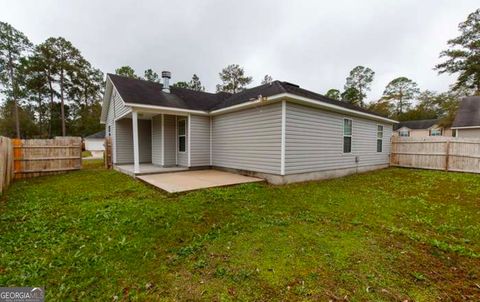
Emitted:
pixel 81 157
pixel 17 156
pixel 447 154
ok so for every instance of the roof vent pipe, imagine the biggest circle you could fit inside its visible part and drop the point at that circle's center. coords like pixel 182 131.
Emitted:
pixel 166 75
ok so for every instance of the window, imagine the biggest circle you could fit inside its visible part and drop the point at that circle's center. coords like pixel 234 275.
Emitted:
pixel 109 130
pixel 404 133
pixel 379 138
pixel 454 132
pixel 181 135
pixel 347 136
pixel 435 132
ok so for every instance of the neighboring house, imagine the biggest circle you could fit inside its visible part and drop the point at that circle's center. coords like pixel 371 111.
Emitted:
pixel 467 120
pixel 421 128
pixel 95 141
pixel 277 131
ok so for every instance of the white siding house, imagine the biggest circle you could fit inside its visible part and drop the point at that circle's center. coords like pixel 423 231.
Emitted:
pixel 276 131
pixel 467 119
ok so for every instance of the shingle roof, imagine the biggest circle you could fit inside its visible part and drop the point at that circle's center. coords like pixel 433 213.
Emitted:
pixel 419 124
pixel 99 134
pixel 149 93
pixel 468 113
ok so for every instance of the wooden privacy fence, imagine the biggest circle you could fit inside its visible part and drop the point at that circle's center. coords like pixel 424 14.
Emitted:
pixel 6 163
pixel 438 153
pixel 38 157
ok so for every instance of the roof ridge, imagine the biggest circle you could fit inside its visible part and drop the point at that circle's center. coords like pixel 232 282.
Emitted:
pixel 135 79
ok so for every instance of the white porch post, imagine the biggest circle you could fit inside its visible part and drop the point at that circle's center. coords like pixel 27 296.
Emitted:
pixel 136 160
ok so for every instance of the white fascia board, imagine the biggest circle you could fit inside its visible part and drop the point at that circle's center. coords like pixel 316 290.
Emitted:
pixel 110 92
pixel 171 110
pixel 106 101
pixel 466 127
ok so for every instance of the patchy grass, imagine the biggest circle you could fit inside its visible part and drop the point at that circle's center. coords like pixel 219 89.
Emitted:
pixel 388 235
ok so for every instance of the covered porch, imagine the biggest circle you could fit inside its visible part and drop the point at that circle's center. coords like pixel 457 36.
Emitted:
pixel 151 141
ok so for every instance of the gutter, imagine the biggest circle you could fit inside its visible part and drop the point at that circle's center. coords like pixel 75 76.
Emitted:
pixel 303 100
pixel 465 127
pixel 262 100
pixel 169 109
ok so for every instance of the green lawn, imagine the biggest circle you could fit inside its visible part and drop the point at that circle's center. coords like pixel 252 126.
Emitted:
pixel 387 235
pixel 86 153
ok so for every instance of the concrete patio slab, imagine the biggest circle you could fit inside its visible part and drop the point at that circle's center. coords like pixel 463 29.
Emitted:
pixel 146 168
pixel 194 180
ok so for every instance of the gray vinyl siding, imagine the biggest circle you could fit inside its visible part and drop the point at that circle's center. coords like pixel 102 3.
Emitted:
pixel 119 108
pixel 116 109
pixel 182 157
pixel 468 133
pixel 157 139
pixel 169 140
pixel 144 141
pixel 199 141
pixel 249 139
pixel 124 141
pixel 314 141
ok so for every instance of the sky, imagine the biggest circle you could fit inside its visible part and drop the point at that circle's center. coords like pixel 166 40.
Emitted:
pixel 310 43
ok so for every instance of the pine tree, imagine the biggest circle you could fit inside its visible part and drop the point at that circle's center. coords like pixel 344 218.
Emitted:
pixel 13 46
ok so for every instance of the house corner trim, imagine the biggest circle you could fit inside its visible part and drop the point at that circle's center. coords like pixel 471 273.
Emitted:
pixel 189 138
pixel 282 152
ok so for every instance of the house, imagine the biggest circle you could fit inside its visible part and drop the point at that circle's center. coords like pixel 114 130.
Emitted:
pixel 94 142
pixel 276 131
pixel 467 120
pixel 421 128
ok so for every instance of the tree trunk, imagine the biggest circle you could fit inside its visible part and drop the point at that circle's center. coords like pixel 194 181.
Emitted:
pixel 62 109
pixel 51 104
pixel 14 95
pixel 40 114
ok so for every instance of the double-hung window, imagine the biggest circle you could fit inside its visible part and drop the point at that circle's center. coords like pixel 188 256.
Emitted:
pixel 347 135
pixel 379 138
pixel 181 135
pixel 404 133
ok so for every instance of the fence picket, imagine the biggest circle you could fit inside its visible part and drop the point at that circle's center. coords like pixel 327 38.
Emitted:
pixel 24 158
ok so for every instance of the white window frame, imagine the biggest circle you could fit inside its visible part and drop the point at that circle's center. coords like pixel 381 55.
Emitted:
pixel 343 135
pixel 380 138
pixel 404 131
pixel 436 129
pixel 184 135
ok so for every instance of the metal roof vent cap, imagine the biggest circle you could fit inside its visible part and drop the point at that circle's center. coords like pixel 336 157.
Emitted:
pixel 166 76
